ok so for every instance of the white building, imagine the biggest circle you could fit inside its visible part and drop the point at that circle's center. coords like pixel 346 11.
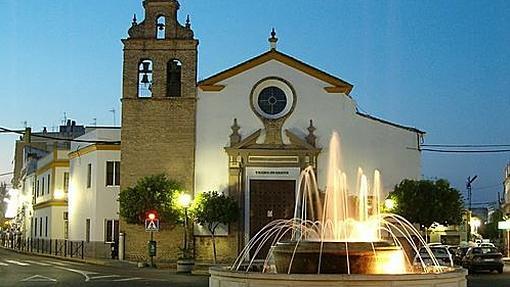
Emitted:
pixel 261 122
pixel 49 220
pixel 93 196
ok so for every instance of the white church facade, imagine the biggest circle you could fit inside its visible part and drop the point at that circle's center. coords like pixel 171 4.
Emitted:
pixel 247 131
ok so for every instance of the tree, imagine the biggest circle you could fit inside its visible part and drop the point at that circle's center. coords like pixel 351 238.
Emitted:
pixel 427 201
pixel 210 209
pixel 490 230
pixel 155 192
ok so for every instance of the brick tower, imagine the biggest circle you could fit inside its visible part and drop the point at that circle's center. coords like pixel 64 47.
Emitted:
pixel 159 96
pixel 158 106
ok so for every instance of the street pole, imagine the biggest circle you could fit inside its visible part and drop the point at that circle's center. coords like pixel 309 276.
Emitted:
pixel 468 187
pixel 185 247
pixel 152 256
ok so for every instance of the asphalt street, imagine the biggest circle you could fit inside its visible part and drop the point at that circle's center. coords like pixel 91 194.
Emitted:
pixel 490 279
pixel 26 270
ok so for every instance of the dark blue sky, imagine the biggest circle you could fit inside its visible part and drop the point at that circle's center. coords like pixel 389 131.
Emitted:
pixel 441 66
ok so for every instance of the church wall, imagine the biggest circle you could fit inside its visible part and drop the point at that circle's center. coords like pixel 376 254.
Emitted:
pixel 366 143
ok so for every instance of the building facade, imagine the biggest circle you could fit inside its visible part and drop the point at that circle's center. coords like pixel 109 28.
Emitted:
pixel 49 220
pixel 41 175
pixel 94 190
pixel 248 131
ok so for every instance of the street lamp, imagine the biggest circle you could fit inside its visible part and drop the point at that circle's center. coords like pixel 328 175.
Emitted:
pixel 468 187
pixel 390 204
pixel 184 201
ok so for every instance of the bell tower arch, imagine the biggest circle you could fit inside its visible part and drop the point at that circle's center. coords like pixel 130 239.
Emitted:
pixel 159 96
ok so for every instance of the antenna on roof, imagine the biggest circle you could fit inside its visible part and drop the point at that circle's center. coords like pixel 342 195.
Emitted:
pixel 114 118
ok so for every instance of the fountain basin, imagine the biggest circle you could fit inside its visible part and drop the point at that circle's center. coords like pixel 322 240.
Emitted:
pixel 221 277
pixel 334 257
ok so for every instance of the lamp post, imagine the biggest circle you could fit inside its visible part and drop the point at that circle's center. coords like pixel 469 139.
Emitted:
pixel 185 202
pixel 468 187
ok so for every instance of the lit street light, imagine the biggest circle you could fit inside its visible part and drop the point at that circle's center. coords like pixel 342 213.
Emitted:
pixel 390 204
pixel 184 201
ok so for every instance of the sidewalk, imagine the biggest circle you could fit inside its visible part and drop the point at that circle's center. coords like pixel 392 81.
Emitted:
pixel 199 269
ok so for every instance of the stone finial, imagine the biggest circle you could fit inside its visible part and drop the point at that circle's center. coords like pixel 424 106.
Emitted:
pixel 135 21
pixel 273 40
pixel 235 137
pixel 188 22
pixel 310 138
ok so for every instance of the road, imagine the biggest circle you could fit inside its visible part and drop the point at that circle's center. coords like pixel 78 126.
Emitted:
pixel 492 279
pixel 27 270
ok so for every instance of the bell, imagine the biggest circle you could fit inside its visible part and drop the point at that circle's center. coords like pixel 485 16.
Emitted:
pixel 146 67
pixel 145 79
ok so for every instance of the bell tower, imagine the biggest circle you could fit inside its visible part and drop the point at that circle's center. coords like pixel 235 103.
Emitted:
pixel 159 96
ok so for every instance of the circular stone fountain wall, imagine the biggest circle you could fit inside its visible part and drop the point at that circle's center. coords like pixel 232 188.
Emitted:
pixel 221 277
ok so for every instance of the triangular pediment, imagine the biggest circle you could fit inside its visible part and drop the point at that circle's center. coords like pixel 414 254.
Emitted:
pixel 296 143
pixel 336 85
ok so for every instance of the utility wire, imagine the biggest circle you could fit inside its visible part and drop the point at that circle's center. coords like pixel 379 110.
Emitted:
pixel 6 173
pixel 460 150
pixel 58 138
pixel 466 145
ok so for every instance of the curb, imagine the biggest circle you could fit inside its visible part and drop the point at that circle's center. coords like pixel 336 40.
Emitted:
pixel 89 261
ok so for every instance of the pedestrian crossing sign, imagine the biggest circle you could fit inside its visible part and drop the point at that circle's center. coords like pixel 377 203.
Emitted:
pixel 152 224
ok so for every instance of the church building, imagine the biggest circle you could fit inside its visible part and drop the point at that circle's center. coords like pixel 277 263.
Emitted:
pixel 247 131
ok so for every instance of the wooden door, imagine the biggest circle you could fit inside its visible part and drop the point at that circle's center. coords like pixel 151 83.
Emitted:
pixel 270 200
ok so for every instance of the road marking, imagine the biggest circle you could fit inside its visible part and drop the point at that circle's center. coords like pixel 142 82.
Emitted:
pixel 3 264
pixel 84 273
pixel 103 276
pixel 127 279
pixel 38 263
pixel 38 278
pixel 17 262
pixel 56 262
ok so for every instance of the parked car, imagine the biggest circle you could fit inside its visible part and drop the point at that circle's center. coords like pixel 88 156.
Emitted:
pixel 483 258
pixel 486 244
pixel 459 254
pixel 452 249
pixel 441 253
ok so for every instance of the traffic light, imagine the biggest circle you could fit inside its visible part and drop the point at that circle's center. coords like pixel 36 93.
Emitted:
pixel 151 215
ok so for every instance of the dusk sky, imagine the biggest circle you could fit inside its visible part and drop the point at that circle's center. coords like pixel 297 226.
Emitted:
pixel 440 66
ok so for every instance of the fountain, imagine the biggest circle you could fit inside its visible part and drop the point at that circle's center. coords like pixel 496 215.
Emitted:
pixel 338 238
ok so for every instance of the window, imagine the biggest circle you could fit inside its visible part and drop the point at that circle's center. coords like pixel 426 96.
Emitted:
pixel 272 100
pixel 161 28
pixel 37 189
pixel 35 227
pixel 46 227
pixel 173 78
pixel 66 182
pixel 145 79
pixel 40 226
pixel 111 232
pixel 89 175
pixel 49 180
pixel 42 187
pixel 87 230
pixel 66 224
pixel 112 173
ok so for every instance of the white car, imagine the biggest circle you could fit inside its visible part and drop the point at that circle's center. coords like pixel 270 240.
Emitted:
pixel 486 244
pixel 441 253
